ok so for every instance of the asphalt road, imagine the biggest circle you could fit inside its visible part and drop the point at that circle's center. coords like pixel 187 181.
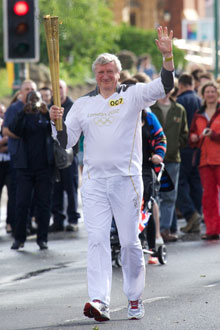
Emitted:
pixel 47 289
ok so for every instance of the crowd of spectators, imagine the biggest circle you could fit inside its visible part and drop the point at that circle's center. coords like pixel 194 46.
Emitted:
pixel 36 190
pixel 188 116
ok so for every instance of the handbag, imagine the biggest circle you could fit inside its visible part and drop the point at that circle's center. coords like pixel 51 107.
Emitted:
pixel 63 157
pixel 163 183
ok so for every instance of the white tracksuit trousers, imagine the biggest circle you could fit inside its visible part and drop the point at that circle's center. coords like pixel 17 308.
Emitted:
pixel 102 198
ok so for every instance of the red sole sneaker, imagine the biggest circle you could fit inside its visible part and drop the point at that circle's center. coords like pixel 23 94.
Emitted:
pixel 92 312
pixel 88 310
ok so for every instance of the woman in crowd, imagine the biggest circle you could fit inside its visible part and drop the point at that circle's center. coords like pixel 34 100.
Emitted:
pixel 205 135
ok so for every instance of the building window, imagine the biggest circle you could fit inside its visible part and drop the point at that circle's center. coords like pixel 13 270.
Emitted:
pixel 133 19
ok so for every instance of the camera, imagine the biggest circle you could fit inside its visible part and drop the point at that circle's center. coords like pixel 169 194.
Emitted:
pixel 205 131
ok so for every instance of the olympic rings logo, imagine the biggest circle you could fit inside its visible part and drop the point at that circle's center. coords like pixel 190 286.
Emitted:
pixel 107 121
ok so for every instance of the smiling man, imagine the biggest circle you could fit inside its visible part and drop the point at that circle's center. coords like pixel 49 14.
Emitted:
pixel 110 119
pixel 107 76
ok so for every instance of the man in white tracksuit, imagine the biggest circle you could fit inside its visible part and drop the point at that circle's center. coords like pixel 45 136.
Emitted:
pixel 110 119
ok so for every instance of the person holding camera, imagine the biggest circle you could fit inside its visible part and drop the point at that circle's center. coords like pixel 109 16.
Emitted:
pixel 17 103
pixel 34 162
pixel 205 135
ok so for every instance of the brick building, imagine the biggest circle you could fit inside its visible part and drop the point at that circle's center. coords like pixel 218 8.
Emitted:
pixel 140 13
pixel 171 13
pixel 148 14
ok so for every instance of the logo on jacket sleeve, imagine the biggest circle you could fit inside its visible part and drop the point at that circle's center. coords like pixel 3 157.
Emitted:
pixel 177 119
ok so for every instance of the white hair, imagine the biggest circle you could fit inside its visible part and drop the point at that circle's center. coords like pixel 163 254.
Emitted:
pixel 107 58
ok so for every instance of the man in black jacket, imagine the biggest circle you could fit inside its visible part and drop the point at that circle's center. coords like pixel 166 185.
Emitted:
pixel 189 189
pixel 68 182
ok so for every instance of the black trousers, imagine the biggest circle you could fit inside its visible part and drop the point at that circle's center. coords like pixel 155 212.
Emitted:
pixel 12 194
pixel 189 198
pixel 69 183
pixel 39 181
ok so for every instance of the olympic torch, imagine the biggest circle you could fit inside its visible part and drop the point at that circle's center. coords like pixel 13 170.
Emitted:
pixel 51 25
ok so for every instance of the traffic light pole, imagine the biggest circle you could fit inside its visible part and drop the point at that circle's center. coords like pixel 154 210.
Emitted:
pixel 21 73
pixel 17 80
pixel 216 26
pixel 24 71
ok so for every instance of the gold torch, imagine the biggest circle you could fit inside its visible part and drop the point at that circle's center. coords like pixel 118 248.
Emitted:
pixel 51 25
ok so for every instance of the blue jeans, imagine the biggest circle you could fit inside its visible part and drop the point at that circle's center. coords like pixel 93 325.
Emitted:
pixel 189 197
pixel 168 199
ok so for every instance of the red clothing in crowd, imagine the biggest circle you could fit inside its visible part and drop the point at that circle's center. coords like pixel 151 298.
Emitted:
pixel 209 167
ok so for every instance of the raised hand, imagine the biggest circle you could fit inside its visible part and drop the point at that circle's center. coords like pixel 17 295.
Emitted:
pixel 164 41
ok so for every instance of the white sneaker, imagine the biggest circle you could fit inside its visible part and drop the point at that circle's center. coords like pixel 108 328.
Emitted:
pixel 159 241
pixel 98 310
pixel 135 309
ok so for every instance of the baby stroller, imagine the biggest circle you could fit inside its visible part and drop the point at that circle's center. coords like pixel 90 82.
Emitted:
pixel 165 183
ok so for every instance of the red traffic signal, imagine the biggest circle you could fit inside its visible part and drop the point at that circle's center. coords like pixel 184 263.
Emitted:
pixel 21 35
pixel 21 8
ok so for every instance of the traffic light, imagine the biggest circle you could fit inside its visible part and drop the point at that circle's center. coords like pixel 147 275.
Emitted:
pixel 21 35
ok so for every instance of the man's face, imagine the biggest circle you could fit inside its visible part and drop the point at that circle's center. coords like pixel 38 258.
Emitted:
pixel 46 95
pixel 63 91
pixel 107 76
pixel 27 88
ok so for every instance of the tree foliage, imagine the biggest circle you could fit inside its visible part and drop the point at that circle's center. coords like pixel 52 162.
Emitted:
pixel 141 42
pixel 87 30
